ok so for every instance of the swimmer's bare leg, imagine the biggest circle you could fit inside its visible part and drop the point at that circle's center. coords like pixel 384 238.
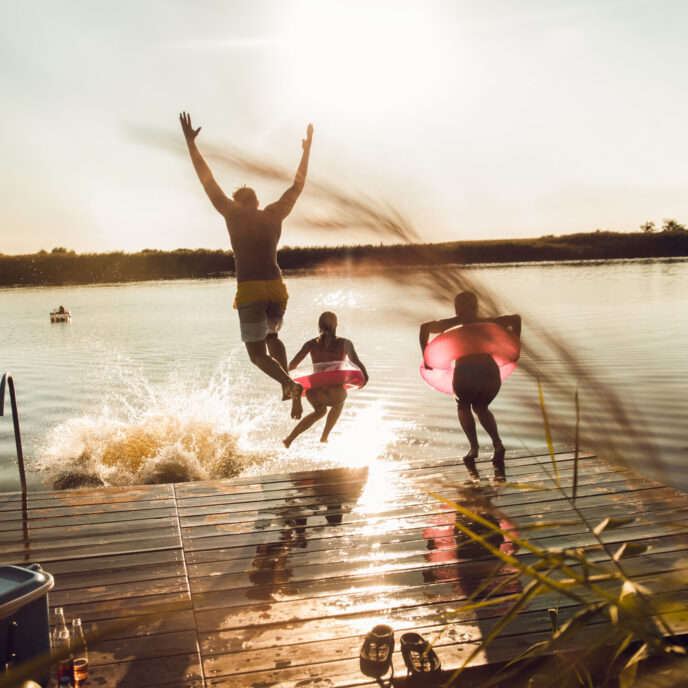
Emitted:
pixel 332 418
pixel 487 420
pixel 278 352
pixel 304 424
pixel 257 352
pixel 468 426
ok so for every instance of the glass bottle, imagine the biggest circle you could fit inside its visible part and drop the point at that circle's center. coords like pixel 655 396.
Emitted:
pixel 80 653
pixel 62 641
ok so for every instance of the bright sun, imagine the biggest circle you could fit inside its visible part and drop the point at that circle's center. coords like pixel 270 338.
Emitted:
pixel 363 59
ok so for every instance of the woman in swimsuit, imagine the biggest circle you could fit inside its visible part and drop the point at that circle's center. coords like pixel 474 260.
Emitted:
pixel 476 380
pixel 327 347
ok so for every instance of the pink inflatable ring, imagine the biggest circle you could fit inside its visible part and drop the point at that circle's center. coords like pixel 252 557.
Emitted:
pixel 464 340
pixel 342 373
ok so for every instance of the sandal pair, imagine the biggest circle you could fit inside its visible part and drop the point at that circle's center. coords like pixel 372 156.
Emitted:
pixel 377 649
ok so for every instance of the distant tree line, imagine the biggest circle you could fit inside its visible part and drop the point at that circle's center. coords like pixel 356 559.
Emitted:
pixel 668 225
pixel 62 266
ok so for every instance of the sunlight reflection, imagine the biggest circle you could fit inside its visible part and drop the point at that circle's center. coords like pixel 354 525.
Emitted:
pixel 337 298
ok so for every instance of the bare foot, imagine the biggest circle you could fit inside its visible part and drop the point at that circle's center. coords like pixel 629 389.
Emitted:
pixel 469 462
pixel 285 393
pixel 472 453
pixel 498 464
pixel 323 440
pixel 287 442
pixel 296 406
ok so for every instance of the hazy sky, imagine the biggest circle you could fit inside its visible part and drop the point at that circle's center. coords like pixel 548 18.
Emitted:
pixel 498 118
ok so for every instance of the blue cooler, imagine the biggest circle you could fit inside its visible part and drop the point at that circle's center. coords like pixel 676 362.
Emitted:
pixel 24 618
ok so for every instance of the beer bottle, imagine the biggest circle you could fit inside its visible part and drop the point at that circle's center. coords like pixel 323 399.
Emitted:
pixel 80 653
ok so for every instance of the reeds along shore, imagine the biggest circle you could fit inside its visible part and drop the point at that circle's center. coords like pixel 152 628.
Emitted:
pixel 67 267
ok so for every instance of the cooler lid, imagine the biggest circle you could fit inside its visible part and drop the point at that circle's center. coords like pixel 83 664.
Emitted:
pixel 19 586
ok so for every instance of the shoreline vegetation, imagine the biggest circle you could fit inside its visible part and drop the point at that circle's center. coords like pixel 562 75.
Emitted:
pixel 64 267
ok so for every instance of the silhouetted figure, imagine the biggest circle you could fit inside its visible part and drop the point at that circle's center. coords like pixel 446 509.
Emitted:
pixel 476 380
pixel 325 348
pixel 261 297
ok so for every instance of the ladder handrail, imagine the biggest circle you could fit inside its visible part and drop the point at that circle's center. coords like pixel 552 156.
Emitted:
pixel 7 378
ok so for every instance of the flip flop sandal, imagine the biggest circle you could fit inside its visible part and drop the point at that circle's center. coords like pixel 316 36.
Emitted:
pixel 376 651
pixel 419 657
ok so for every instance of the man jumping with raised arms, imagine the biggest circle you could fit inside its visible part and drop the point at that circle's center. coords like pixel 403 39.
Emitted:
pixel 261 297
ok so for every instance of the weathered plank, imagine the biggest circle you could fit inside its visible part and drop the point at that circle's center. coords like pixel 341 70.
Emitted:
pixel 274 579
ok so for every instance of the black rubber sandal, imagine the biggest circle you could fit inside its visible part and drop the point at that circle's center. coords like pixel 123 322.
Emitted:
pixel 419 657
pixel 376 651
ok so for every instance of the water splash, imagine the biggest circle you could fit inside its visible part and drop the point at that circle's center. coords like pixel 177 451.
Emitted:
pixel 181 429
pixel 173 431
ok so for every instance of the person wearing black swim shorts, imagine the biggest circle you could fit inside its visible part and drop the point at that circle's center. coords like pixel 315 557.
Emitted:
pixel 476 380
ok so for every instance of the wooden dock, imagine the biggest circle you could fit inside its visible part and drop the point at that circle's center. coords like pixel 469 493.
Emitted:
pixel 274 580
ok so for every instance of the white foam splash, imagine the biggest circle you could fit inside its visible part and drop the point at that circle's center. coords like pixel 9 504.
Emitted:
pixel 183 429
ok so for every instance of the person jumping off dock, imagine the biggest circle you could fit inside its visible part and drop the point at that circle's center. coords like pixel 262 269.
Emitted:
pixel 324 349
pixel 261 297
pixel 476 380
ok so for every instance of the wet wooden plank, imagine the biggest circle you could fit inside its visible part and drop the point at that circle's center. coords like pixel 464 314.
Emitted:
pixel 462 625
pixel 276 578
pixel 408 555
pixel 215 517
pixel 71 517
pixel 605 505
pixel 528 456
pixel 178 671
pixel 86 496
pixel 83 531
pixel 326 483
pixel 117 591
pixel 336 661
pixel 397 519
pixel 213 613
pixel 118 609
pixel 162 644
pixel 420 582
pixel 115 543
pixel 141 564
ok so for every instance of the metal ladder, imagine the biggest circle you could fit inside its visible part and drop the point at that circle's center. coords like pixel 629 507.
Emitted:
pixel 7 378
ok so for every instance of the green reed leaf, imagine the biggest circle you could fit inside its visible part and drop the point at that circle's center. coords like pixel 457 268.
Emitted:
pixel 610 523
pixel 548 433
pixel 628 674
pixel 630 549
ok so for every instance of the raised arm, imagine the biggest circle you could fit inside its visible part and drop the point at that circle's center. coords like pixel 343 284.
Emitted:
pixel 217 197
pixel 305 350
pixel 353 357
pixel 286 202
pixel 436 327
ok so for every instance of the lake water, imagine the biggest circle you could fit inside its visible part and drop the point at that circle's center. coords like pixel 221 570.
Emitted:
pixel 150 382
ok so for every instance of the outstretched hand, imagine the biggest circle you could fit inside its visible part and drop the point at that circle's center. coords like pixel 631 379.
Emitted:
pixel 306 143
pixel 190 133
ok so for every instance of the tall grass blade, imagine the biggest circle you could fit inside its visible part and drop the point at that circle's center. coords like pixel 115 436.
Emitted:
pixel 576 448
pixel 548 432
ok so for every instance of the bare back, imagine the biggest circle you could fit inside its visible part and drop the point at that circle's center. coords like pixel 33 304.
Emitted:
pixel 254 235
pixel 323 350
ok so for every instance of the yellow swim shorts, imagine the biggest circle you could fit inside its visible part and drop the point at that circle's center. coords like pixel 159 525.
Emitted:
pixel 261 305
